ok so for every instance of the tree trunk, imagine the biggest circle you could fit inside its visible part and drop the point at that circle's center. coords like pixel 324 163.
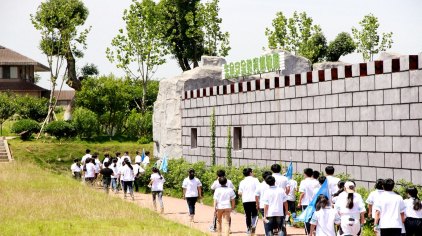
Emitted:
pixel 72 81
pixel 181 63
pixel 144 91
pixel 186 62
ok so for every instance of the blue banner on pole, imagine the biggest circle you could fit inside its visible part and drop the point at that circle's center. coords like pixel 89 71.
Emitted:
pixel 310 209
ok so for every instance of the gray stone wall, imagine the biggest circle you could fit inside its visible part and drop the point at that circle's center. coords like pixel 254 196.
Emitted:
pixel 364 119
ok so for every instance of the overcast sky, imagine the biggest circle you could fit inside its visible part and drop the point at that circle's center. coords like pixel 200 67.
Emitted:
pixel 244 19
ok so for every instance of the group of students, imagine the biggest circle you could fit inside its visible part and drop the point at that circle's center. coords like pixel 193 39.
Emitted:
pixel 119 173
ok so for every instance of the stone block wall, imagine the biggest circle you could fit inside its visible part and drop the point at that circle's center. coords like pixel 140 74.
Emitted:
pixel 364 119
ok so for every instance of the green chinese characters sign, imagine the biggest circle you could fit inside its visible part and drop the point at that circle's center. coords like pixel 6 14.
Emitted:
pixel 258 65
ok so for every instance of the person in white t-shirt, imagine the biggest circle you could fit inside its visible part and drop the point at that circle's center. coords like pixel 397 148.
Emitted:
pixel 315 176
pixel 224 203
pixel 137 171
pixel 216 184
pixel 138 158
pixel 145 162
pixel 247 189
pixel 126 156
pixel 324 218
pixel 374 196
pixel 192 192
pixel 413 213
pixel 332 181
pixel 389 211
pixel 260 191
pixel 157 186
pixel 127 177
pixel 106 159
pixel 335 196
pixel 87 155
pixel 76 169
pixel 119 159
pixel 115 177
pixel 275 208
pixel 291 199
pixel 280 180
pixel 321 181
pixel 351 210
pixel 89 171
pixel 306 189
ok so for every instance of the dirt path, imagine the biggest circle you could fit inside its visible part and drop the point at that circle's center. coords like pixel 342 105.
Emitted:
pixel 176 210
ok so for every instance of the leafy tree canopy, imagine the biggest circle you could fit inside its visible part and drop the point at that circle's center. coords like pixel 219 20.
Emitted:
pixel 342 45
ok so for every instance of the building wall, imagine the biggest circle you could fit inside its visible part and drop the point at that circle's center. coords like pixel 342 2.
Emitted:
pixel 364 119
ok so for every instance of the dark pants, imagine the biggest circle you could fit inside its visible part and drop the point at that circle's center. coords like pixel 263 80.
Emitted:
pixel 391 232
pixel 77 175
pixel 127 185
pixel 307 224
pixel 106 184
pixel 137 184
pixel 250 212
pixel 191 204
pixel 275 225
pixel 413 226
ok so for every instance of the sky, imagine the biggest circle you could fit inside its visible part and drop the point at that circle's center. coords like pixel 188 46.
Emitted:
pixel 245 20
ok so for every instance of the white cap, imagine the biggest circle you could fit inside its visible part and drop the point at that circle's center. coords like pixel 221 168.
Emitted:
pixel 349 187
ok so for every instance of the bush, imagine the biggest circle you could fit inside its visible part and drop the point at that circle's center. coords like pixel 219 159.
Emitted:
pixel 139 125
pixel 60 129
pixel 145 140
pixel 29 107
pixel 85 122
pixel 25 128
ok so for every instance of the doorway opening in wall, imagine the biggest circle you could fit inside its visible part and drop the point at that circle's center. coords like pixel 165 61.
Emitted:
pixel 193 138
pixel 237 138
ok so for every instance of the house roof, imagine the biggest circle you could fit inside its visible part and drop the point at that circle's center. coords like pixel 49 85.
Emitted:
pixel 65 95
pixel 19 85
pixel 11 58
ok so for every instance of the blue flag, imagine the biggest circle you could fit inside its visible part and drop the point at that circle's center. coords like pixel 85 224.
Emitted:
pixel 289 173
pixel 164 164
pixel 143 155
pixel 309 211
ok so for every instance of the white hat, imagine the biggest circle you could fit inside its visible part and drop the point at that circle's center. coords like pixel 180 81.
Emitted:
pixel 349 187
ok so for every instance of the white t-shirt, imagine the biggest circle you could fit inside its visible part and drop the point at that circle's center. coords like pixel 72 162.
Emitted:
pixel 410 212
pixel 307 187
pixel 247 188
pixel 216 185
pixel 332 184
pixel 191 186
pixel 350 218
pixel 274 197
pixel 315 191
pixel 280 180
pixel 390 205
pixel 138 159
pixel 75 168
pixel 90 170
pixel 126 157
pixel 292 184
pixel 324 219
pixel 137 169
pixel 85 157
pixel 127 174
pixel 97 166
pixel 372 198
pixel 106 160
pixel 115 170
pixel 146 161
pixel 119 161
pixel 157 182
pixel 223 197
pixel 260 192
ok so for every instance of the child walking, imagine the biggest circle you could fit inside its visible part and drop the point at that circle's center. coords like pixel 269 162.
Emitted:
pixel 157 184
pixel 127 177
pixel 413 213
pixel 106 174
pixel 76 169
pixel 216 184
pixel 114 178
pixel 224 203
pixel 247 189
pixel 192 191
pixel 324 218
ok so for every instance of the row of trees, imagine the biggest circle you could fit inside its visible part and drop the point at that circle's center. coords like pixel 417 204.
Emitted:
pixel 299 35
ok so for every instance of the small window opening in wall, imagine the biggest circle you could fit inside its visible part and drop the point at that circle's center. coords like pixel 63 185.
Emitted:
pixel 193 138
pixel 237 138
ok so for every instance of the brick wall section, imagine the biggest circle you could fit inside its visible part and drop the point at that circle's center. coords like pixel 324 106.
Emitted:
pixel 364 119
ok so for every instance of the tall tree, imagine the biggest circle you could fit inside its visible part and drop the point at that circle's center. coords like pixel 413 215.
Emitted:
pixel 297 35
pixel 139 49
pixel 342 45
pixel 368 40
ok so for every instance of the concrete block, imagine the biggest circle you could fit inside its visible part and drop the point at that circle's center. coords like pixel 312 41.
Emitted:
pixel 257 154
pixel 326 143
pixel 256 107
pixel 370 68
pixel 302 143
pixel 301 91
pixel 382 81
pixel 400 79
pixel 346 158
pixel 360 128
pixel 251 96
pixel 401 144
pixel 339 114
pixel 360 99
pixel 340 168
pixel 353 143
pixel 260 118
pixel 284 130
pixel 325 88
pixel 333 158
pixel 247 131
pixel 331 101
pixel 279 93
pixel 301 166
pixel 345 99
pixel 404 63
pixel 325 115
pixel 301 116
pixel 401 174
pixel 375 128
pixel 410 128
pixel 410 161
pixel 281 143
pixel 313 89
pixel 275 155
pixel 320 157
pixel 368 144
pixel 319 102
pixel 401 112
pixel 367 83
pixel 290 117
pixel 296 156
pixel 352 84
pixel 327 74
pixel 417 174
pixel 290 92
pixel 271 118
pixel 375 97
pixel 393 128
pixel 392 96
pixel 313 143
pixel 296 104
pixel 296 130
pixel 393 160
pixel 243 97
pixel 352 113
pixel 416 76
pixel 384 144
pixel 420 60
pixel 354 172
pixel 332 129
pixel 251 119
pixel 367 113
pixel 285 105
pixel 308 156
pixel 319 129
pixel 265 106
pixel 339 143
pixel 274 130
pixel 345 128
pixel 313 115
pixel 308 129
pixel 416 111
pixel 360 159
pixel 260 142
pixel 256 131
pixel 376 159
pixel 303 78
pixel 338 86
pixel 409 95
pixel 307 103
pixel 387 66
pixel 275 105
pixel 368 173
pixel 340 72
pixel 291 142
pixel 416 144
pixel 383 112
pixel 384 173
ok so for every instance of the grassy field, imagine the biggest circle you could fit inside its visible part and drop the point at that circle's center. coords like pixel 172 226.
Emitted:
pixel 38 202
